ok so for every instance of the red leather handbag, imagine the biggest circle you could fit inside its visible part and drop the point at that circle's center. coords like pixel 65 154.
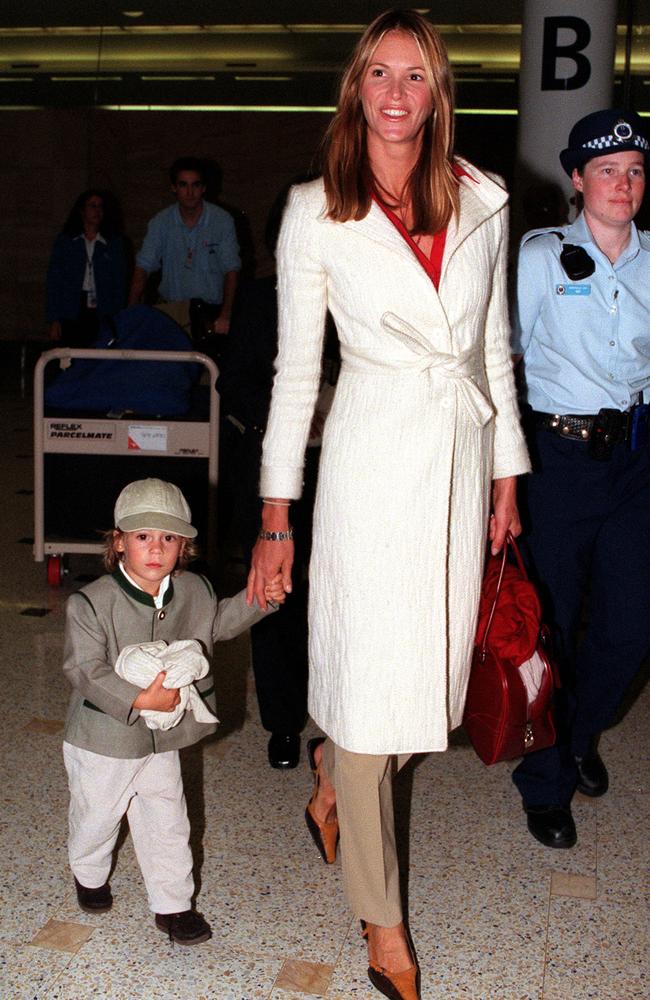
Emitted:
pixel 509 705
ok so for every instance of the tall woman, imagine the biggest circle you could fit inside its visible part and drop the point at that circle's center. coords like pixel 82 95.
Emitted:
pixel 406 245
pixel 86 277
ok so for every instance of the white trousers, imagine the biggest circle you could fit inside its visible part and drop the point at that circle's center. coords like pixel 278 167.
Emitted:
pixel 150 791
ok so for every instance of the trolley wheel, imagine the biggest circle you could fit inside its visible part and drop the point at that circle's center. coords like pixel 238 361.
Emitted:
pixel 55 571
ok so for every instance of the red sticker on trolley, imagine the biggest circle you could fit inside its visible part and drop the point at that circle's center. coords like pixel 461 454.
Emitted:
pixel 145 437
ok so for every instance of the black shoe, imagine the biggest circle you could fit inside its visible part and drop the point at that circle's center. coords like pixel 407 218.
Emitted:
pixel 187 927
pixel 97 900
pixel 593 779
pixel 284 751
pixel 553 826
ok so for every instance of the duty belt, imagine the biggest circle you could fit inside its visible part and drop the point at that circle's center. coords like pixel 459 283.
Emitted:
pixel 579 427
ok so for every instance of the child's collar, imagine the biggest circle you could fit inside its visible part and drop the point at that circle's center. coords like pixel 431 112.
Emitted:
pixel 139 595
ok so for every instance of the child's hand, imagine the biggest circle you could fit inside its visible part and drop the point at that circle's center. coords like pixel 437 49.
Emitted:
pixel 274 591
pixel 158 698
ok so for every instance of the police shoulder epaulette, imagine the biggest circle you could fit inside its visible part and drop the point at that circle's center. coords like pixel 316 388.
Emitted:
pixel 533 234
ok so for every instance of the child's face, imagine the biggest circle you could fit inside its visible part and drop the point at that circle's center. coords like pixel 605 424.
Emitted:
pixel 149 556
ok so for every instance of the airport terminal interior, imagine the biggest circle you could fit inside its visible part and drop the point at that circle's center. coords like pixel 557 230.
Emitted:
pixel 494 915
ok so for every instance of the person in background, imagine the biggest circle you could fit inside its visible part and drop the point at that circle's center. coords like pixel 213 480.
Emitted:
pixel 584 333
pixel 194 243
pixel 86 276
pixel 405 243
pixel 279 643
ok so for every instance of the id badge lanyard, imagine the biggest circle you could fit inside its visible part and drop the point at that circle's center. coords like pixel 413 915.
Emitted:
pixel 89 277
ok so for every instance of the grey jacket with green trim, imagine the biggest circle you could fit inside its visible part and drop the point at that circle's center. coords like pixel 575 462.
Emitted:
pixel 109 614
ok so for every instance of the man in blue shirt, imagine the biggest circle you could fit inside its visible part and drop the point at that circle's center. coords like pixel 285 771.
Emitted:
pixel 195 244
pixel 584 334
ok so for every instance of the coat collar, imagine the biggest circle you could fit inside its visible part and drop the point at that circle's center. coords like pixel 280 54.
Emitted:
pixel 139 595
pixel 481 197
pixel 377 227
pixel 98 239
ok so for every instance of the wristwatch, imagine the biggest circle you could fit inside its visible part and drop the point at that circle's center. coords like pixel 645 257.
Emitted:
pixel 276 536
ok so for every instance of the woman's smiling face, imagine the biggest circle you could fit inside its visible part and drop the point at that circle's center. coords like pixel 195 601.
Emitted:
pixel 395 94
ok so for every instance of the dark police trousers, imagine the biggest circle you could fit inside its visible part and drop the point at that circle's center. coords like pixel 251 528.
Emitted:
pixel 279 642
pixel 588 533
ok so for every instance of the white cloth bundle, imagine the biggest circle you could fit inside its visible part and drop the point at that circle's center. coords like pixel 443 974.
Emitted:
pixel 532 674
pixel 184 663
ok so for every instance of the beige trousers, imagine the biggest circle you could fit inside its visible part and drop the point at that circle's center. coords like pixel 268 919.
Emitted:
pixel 364 802
pixel 150 791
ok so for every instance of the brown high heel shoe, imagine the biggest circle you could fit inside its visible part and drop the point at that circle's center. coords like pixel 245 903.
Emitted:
pixel 404 985
pixel 324 834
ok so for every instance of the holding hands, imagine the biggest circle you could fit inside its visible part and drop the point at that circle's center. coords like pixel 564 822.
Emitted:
pixel 274 590
pixel 272 558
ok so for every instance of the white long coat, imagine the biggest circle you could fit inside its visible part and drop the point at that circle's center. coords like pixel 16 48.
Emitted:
pixel 424 417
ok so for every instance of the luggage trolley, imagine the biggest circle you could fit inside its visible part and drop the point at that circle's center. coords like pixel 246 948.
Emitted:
pixel 82 462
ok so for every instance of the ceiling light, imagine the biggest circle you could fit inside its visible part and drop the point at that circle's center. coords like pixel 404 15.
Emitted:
pixel 215 107
pixel 486 111
pixel 261 79
pixel 84 79
pixel 133 13
pixel 177 77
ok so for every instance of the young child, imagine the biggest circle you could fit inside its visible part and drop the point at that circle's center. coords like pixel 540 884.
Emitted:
pixel 115 763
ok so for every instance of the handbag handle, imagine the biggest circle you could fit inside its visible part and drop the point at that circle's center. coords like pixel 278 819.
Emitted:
pixel 510 541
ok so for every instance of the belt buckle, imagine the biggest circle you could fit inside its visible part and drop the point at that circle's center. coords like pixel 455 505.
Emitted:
pixel 572 426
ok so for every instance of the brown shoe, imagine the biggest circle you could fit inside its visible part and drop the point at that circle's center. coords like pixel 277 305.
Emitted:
pixel 325 834
pixel 396 985
pixel 187 927
pixel 97 900
pixel 403 985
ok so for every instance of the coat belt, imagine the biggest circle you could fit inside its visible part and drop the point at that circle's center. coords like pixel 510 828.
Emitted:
pixel 463 367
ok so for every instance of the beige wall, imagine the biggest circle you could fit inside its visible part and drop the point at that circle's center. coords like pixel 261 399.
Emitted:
pixel 48 157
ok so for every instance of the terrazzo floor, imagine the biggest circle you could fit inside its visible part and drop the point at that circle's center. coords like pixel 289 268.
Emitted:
pixel 494 915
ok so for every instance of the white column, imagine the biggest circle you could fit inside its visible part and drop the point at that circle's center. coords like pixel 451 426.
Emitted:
pixel 566 72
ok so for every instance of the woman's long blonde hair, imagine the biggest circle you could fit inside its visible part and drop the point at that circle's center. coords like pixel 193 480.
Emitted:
pixel 432 187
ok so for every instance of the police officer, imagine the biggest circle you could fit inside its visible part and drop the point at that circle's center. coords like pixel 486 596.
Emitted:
pixel 584 333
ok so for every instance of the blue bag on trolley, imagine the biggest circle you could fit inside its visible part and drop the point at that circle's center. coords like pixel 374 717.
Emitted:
pixel 146 388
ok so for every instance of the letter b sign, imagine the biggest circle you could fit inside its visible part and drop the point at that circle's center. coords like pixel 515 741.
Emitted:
pixel 553 50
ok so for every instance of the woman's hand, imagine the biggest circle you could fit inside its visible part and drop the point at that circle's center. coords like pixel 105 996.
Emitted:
pixel 270 560
pixel 505 516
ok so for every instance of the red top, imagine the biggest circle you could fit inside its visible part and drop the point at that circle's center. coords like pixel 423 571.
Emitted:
pixel 432 265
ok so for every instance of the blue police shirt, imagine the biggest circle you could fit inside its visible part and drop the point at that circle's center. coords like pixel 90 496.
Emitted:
pixel 194 260
pixel 585 343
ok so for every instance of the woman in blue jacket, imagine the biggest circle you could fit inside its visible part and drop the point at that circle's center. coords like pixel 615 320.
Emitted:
pixel 86 277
